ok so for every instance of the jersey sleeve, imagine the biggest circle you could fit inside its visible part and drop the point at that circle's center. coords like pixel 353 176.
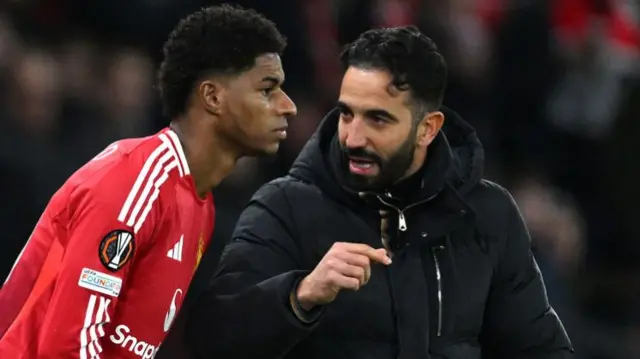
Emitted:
pixel 106 233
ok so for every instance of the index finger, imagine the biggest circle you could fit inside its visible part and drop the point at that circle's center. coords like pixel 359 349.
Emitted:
pixel 378 255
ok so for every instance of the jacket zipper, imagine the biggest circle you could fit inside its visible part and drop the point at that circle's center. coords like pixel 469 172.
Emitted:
pixel 402 221
pixel 436 262
pixel 402 226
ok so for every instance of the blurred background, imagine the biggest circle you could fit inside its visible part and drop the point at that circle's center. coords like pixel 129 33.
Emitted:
pixel 552 87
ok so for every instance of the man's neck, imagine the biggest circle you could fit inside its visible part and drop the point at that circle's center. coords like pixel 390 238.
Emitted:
pixel 209 160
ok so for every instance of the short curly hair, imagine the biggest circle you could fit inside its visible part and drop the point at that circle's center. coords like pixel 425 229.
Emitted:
pixel 409 56
pixel 223 39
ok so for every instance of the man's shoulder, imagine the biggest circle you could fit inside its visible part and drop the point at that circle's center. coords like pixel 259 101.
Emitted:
pixel 285 187
pixel 487 191
pixel 493 205
pixel 129 172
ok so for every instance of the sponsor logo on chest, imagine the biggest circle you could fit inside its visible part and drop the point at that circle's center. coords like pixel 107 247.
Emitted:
pixel 126 340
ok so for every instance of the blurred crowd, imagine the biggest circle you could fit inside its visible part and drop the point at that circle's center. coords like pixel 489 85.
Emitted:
pixel 552 87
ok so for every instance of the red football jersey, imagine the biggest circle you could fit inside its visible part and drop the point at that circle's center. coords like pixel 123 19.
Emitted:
pixel 110 260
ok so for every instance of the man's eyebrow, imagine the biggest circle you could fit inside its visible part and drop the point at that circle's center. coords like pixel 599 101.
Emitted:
pixel 342 105
pixel 373 112
pixel 378 112
pixel 274 80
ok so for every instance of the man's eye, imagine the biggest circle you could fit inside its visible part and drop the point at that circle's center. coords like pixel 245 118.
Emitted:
pixel 344 111
pixel 267 92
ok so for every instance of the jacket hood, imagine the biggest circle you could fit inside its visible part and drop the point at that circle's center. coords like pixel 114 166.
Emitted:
pixel 457 142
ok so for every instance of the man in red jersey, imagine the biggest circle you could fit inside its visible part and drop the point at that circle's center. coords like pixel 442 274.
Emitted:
pixel 108 264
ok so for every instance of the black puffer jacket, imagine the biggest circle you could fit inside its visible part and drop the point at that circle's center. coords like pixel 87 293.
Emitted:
pixel 463 283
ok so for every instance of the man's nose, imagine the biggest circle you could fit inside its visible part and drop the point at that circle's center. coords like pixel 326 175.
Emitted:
pixel 286 107
pixel 355 135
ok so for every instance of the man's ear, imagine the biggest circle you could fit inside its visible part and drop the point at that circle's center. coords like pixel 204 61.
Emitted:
pixel 429 128
pixel 211 95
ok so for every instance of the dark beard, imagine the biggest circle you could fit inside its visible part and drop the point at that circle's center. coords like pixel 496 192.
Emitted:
pixel 391 170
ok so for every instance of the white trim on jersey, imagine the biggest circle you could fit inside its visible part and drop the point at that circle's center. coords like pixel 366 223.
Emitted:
pixel 94 321
pixel 172 148
pixel 141 177
pixel 176 143
pixel 153 174
pixel 176 251
pixel 154 196
pixel 144 196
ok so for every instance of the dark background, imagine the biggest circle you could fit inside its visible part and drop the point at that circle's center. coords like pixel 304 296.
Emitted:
pixel 552 86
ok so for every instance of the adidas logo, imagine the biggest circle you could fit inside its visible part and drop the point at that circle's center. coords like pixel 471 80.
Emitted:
pixel 176 251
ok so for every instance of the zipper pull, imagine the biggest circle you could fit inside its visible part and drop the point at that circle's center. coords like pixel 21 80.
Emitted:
pixel 402 222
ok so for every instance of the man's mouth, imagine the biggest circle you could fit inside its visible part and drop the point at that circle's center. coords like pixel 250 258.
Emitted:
pixel 361 166
pixel 282 132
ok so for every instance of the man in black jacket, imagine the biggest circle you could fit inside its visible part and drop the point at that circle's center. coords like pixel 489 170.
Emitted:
pixel 383 241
